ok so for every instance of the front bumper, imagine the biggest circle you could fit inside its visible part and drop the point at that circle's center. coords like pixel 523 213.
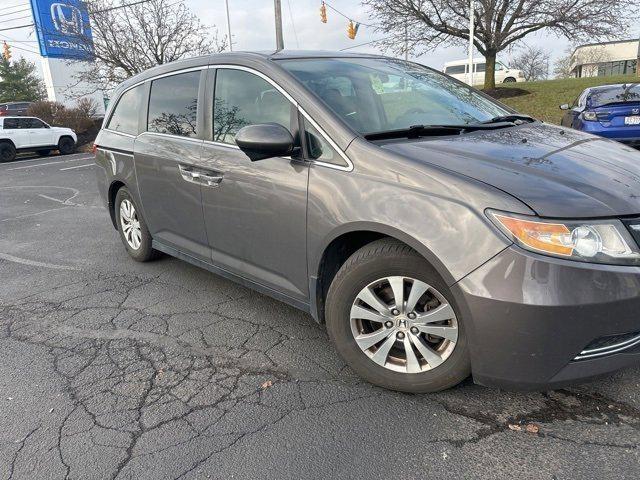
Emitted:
pixel 531 315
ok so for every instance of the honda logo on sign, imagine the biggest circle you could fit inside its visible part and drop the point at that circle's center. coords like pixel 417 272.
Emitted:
pixel 67 19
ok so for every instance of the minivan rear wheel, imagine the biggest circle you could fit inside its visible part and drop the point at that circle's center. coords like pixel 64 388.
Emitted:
pixel 395 322
pixel 132 228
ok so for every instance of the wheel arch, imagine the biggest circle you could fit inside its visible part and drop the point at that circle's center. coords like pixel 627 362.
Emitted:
pixel 347 239
pixel 9 141
pixel 114 186
pixel 64 135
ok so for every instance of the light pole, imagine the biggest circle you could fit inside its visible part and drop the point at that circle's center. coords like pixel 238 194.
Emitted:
pixel 226 4
pixel 278 15
pixel 471 35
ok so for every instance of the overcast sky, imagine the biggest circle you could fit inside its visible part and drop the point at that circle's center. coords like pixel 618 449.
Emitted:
pixel 253 28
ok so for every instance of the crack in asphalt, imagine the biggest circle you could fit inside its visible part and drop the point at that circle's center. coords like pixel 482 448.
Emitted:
pixel 161 375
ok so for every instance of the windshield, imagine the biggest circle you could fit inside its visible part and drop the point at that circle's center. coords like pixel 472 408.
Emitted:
pixel 378 94
pixel 616 94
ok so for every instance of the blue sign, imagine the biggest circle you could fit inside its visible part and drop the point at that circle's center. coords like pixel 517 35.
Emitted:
pixel 63 29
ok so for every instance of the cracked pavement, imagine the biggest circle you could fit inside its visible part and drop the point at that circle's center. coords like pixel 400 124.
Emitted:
pixel 114 369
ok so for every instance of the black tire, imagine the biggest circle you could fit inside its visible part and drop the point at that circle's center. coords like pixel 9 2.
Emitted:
pixel 7 152
pixel 144 252
pixel 66 146
pixel 380 259
pixel 509 80
pixel 43 153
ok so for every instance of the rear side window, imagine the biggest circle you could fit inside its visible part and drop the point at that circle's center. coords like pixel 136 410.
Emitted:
pixel 242 98
pixel 173 105
pixel 125 116
pixel 35 123
pixel 455 69
pixel 11 123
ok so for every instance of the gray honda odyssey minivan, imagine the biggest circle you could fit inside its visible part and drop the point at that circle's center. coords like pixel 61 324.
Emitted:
pixel 435 231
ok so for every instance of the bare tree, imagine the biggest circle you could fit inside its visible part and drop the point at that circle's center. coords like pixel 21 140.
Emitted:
pixel 562 65
pixel 533 61
pixel 129 40
pixel 498 23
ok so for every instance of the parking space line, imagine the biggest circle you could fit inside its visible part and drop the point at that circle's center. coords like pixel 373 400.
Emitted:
pixel 79 166
pixel 49 163
pixel 19 161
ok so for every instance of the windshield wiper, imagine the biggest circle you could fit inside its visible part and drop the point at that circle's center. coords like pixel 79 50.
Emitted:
pixel 516 118
pixel 417 131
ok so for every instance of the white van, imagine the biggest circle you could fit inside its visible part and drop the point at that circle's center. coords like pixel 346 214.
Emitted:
pixel 458 69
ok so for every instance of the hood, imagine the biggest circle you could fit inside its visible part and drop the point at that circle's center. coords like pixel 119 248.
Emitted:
pixel 557 172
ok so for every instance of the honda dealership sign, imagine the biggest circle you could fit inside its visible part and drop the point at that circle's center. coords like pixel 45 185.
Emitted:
pixel 63 29
pixel 66 46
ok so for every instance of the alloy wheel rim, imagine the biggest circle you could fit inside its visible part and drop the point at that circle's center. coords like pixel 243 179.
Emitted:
pixel 130 224
pixel 404 324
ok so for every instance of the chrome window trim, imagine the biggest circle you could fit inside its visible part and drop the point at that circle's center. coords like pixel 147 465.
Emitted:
pixel 348 168
pixel 120 133
pixel 170 135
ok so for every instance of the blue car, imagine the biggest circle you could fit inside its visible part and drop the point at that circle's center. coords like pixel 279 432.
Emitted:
pixel 611 111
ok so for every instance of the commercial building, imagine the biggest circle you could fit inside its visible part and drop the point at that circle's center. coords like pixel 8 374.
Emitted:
pixel 605 59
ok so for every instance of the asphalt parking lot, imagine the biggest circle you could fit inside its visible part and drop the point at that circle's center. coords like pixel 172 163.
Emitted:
pixel 115 369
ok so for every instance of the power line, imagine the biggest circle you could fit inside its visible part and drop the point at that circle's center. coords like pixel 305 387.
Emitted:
pixel 13 13
pixel 91 13
pixel 4 37
pixel 365 43
pixel 17 5
pixel 124 6
pixel 14 19
pixel 293 24
pixel 25 49
pixel 346 16
pixel 16 27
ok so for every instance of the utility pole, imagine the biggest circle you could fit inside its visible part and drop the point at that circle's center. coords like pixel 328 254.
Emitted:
pixel 406 43
pixel 278 15
pixel 471 35
pixel 638 60
pixel 226 4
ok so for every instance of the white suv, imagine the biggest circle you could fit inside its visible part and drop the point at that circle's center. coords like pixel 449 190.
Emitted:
pixel 18 134
pixel 504 74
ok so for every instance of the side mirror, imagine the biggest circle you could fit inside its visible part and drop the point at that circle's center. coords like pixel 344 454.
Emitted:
pixel 264 140
pixel 564 106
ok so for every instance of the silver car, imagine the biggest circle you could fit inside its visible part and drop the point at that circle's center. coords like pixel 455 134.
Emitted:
pixel 435 231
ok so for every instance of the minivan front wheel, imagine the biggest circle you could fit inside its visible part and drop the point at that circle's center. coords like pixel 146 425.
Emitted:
pixel 392 318
pixel 132 228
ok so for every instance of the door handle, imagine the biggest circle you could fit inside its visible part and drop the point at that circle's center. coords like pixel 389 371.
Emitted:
pixel 210 180
pixel 203 177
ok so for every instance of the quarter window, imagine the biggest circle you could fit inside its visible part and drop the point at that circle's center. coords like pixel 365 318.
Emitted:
pixel 173 105
pixel 242 98
pixel 319 149
pixel 125 116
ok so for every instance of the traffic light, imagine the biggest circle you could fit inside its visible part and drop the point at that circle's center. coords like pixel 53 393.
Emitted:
pixel 352 30
pixel 6 51
pixel 323 13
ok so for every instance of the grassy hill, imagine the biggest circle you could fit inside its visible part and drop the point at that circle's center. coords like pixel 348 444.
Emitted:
pixel 541 99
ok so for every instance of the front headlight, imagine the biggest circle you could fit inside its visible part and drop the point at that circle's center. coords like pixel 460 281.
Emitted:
pixel 597 241
pixel 590 116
